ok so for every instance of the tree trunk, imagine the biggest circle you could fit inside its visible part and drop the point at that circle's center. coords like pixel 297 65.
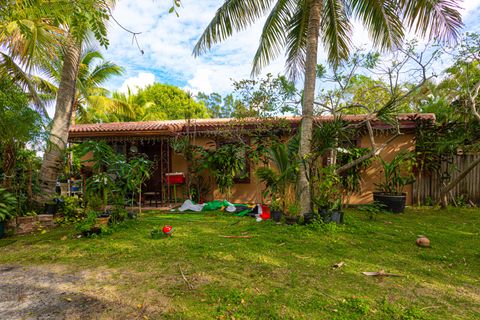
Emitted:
pixel 57 142
pixel 303 186
pixel 9 156
pixel 454 182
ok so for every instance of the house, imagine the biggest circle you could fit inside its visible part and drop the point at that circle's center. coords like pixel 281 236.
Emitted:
pixel 154 138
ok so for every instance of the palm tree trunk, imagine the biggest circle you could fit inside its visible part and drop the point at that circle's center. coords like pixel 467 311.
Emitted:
pixel 57 142
pixel 303 187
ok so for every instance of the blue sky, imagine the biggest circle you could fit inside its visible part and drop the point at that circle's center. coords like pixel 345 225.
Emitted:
pixel 168 41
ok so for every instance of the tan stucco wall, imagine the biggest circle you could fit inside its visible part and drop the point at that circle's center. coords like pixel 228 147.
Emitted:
pixel 242 192
pixel 374 174
pixel 252 192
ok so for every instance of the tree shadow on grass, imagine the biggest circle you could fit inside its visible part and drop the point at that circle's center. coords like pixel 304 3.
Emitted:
pixel 35 294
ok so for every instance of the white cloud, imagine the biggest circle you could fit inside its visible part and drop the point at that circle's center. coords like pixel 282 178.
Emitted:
pixel 142 80
pixel 200 82
pixel 468 6
pixel 168 41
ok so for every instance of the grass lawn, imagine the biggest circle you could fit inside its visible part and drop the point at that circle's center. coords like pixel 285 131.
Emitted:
pixel 283 272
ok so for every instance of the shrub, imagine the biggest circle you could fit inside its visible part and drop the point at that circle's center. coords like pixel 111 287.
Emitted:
pixel 7 205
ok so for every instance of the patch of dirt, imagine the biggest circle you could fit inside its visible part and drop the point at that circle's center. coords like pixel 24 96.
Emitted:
pixel 56 292
pixel 44 293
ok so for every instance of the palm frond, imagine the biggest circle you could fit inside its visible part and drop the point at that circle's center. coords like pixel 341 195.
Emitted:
pixel 9 68
pixel 435 18
pixel 381 18
pixel 232 16
pixel 273 38
pixel 297 40
pixel 336 30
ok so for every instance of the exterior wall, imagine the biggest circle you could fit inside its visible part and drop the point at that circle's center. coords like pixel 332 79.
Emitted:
pixel 374 174
pixel 251 192
pixel 248 192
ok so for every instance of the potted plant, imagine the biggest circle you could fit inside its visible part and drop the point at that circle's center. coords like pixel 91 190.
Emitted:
pixel 292 215
pixel 396 176
pixel 327 196
pixel 276 210
pixel 90 225
pixel 7 209
pixel 279 178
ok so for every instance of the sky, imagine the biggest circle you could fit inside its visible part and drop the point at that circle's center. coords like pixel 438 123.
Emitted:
pixel 168 40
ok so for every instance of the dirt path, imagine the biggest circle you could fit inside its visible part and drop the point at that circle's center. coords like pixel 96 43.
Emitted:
pixel 36 293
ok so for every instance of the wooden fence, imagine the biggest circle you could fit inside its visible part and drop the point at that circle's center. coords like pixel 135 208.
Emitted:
pixel 427 187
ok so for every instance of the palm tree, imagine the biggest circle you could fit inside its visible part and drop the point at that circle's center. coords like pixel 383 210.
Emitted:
pixel 295 26
pixel 93 72
pixel 120 107
pixel 63 25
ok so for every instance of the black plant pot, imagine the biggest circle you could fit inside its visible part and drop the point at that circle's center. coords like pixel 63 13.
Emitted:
pixel 291 220
pixel 51 208
pixel 392 203
pixel 276 216
pixel 310 217
pixel 331 215
pixel 2 229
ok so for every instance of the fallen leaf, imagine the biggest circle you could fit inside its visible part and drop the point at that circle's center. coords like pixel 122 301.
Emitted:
pixel 339 264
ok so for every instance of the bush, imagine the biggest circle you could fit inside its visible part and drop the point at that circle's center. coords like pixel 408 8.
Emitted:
pixel 70 211
pixel 7 205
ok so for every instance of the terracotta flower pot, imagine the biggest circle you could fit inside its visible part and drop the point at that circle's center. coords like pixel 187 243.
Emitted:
pixel 103 221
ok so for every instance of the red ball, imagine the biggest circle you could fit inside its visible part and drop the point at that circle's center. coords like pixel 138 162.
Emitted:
pixel 167 230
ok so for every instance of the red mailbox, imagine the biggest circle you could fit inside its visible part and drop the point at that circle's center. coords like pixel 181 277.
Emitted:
pixel 175 178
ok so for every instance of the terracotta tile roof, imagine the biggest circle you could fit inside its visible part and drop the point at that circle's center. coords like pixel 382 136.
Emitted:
pixel 172 127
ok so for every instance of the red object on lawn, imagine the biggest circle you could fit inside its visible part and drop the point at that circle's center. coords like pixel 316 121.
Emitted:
pixel 265 215
pixel 167 230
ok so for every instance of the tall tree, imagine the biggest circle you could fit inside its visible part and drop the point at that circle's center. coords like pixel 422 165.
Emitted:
pixel 19 124
pixel 295 26
pixel 93 72
pixel 65 27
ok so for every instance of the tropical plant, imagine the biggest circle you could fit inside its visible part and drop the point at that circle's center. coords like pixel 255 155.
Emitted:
pixel 394 179
pixel 7 205
pixel 93 72
pixel 297 25
pixel 106 164
pixel 33 32
pixel 351 178
pixel 326 189
pixel 139 170
pixel 19 124
pixel 293 209
pixel 280 177
pixel 226 163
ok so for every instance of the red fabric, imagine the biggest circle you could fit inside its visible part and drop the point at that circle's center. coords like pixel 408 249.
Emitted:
pixel 265 215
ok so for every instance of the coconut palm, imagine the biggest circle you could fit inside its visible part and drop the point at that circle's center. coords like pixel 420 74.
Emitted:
pixel 93 72
pixel 120 107
pixel 63 25
pixel 294 26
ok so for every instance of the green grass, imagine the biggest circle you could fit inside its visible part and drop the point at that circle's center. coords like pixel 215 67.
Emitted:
pixel 283 272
